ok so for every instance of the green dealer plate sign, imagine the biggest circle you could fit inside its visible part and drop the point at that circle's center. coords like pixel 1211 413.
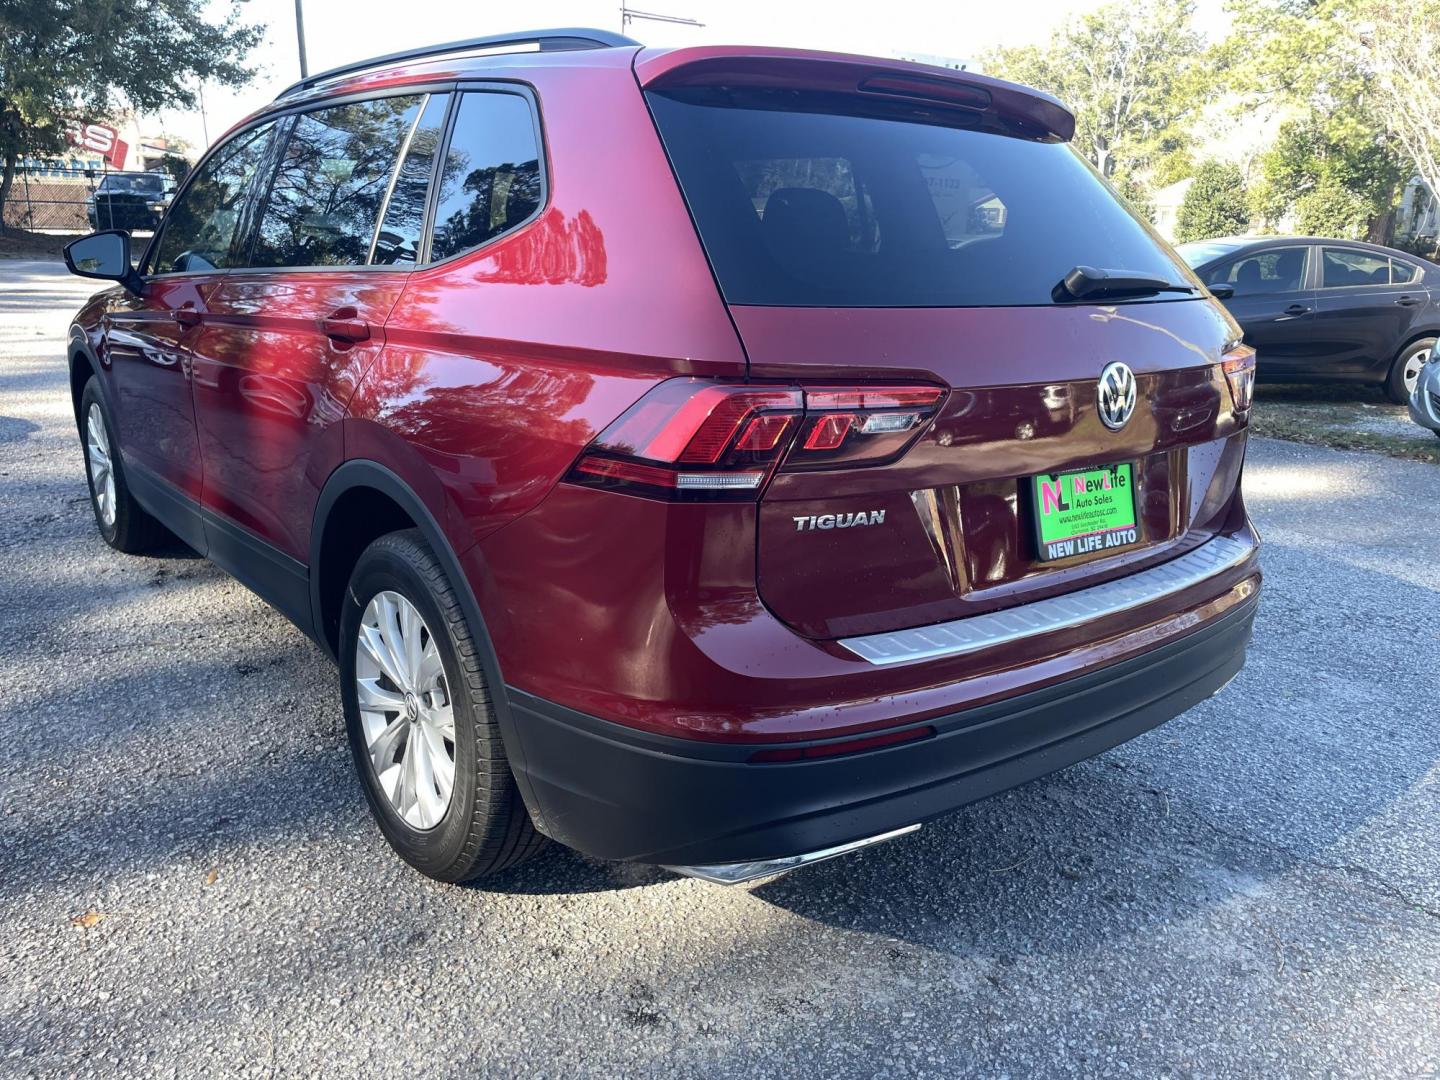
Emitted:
pixel 1081 513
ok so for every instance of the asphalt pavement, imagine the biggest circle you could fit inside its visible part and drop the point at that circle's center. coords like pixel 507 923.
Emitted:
pixel 190 883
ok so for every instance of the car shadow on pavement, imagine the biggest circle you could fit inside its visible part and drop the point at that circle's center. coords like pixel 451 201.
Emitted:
pixel 559 871
pixel 1312 761
pixel 16 429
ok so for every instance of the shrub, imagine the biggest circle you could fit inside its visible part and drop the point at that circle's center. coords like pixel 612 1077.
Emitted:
pixel 1215 205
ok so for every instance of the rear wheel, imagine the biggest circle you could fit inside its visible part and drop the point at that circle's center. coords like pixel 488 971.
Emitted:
pixel 1405 372
pixel 421 726
pixel 123 523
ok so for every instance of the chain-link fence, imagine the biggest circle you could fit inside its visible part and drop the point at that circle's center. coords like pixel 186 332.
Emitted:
pixel 41 202
pixel 56 198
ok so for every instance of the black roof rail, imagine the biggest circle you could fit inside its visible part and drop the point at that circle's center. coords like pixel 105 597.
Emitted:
pixel 566 40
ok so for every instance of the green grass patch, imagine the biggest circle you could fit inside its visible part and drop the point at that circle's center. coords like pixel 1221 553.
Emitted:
pixel 1344 417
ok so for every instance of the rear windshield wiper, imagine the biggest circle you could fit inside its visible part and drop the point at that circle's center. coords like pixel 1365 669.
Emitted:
pixel 1088 283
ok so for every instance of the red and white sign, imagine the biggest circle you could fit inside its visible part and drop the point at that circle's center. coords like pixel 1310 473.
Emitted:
pixel 101 139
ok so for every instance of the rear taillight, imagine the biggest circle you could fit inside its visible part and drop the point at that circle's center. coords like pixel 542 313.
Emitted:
pixel 860 425
pixel 696 439
pixel 1239 367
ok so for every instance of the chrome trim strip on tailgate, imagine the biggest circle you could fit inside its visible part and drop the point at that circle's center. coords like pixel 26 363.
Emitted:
pixel 1055 613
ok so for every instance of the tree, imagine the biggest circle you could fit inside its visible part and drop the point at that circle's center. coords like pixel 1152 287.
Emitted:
pixel 65 60
pixel 1131 72
pixel 1399 43
pixel 1332 210
pixel 1314 155
pixel 174 166
pixel 1310 58
pixel 1133 192
pixel 1214 205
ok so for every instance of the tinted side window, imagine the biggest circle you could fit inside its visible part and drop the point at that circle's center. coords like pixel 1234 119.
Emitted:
pixel 1403 273
pixel 325 200
pixel 490 179
pixel 1282 270
pixel 200 229
pixel 399 238
pixel 1342 267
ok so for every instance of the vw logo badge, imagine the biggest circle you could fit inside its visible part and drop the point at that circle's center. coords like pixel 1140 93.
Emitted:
pixel 1117 395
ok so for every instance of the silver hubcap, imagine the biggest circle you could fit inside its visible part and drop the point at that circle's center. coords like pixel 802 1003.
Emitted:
pixel 1413 363
pixel 405 710
pixel 102 474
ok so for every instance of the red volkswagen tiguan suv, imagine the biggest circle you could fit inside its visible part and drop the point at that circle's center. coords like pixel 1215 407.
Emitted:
pixel 718 457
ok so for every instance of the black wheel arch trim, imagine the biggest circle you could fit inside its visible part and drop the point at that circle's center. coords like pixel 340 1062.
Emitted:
pixel 363 473
pixel 78 346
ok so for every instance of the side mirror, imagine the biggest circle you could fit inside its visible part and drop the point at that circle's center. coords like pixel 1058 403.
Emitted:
pixel 104 255
pixel 1222 292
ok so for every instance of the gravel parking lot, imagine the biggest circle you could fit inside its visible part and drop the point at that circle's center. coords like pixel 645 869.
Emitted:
pixel 191 884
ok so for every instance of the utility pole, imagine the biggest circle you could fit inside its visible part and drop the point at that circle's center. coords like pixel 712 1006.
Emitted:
pixel 300 37
pixel 629 15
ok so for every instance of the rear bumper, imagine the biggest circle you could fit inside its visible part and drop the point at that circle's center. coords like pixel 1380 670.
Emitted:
pixel 1425 401
pixel 615 792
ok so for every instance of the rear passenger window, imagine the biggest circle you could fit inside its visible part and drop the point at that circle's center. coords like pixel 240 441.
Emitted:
pixel 1342 267
pixel 490 179
pixel 1282 270
pixel 200 229
pixel 1403 273
pixel 398 240
pixel 325 200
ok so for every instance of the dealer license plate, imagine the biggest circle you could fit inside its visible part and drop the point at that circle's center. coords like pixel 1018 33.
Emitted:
pixel 1085 512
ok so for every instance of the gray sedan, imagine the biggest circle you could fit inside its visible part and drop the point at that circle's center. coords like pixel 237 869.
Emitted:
pixel 1425 398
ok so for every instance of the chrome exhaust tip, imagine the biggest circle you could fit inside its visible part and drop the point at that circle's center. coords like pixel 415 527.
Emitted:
pixel 741 872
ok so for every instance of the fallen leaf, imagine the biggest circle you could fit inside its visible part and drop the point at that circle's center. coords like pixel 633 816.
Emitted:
pixel 88 920
pixel 212 876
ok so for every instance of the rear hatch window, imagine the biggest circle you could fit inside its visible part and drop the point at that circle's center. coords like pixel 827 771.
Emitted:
pixel 803 202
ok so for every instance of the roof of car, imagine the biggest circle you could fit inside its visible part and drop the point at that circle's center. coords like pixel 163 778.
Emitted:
pixel 510 53
pixel 546 41
pixel 1239 243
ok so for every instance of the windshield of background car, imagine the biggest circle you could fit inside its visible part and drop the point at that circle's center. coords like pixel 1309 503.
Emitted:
pixel 133 185
pixel 1200 252
pixel 802 205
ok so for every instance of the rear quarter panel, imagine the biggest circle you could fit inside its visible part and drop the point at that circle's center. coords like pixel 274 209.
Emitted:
pixel 501 365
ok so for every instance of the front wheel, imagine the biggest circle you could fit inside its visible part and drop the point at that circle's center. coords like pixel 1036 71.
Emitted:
pixel 1405 372
pixel 124 524
pixel 421 726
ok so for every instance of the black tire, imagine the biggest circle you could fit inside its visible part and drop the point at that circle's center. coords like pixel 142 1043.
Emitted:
pixel 486 827
pixel 1395 388
pixel 132 530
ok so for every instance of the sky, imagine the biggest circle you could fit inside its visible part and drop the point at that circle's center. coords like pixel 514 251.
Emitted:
pixel 340 31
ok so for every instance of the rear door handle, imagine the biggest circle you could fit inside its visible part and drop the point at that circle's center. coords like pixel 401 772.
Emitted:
pixel 345 324
pixel 1408 301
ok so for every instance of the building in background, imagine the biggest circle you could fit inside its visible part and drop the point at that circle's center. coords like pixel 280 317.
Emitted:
pixel 1417 222
pixel 1167 202
pixel 51 192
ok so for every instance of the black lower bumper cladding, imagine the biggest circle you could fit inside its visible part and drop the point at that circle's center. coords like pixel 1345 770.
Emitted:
pixel 616 793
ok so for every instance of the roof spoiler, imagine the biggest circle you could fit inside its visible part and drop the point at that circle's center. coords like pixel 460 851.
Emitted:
pixel 900 80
